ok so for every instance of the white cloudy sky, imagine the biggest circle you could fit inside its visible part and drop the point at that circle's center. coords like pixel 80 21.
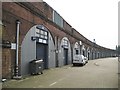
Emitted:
pixel 95 19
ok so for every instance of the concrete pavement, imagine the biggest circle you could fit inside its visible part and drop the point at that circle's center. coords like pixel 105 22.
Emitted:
pixel 99 73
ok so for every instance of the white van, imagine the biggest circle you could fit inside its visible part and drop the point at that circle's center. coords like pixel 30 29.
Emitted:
pixel 79 60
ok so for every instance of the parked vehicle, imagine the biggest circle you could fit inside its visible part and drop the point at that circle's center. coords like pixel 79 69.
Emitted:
pixel 79 60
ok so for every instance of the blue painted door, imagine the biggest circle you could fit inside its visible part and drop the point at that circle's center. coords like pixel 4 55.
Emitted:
pixel 42 53
pixel 65 56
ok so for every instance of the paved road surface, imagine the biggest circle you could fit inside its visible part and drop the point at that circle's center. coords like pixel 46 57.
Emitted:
pixel 99 73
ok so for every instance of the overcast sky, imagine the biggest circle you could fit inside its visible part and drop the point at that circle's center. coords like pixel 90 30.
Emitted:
pixel 95 19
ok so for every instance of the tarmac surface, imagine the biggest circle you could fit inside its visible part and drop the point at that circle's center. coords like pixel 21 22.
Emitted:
pixel 98 73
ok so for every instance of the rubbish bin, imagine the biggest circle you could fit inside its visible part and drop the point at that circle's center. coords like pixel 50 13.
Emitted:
pixel 36 66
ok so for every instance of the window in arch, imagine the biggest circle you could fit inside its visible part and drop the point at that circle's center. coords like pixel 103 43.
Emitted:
pixel 42 36
pixel 65 43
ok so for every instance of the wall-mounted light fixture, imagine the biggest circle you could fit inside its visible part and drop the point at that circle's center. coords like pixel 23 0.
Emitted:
pixel 64 46
pixel 33 38
pixel 76 48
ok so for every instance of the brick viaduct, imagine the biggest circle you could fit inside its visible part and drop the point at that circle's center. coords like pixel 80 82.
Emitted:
pixel 41 26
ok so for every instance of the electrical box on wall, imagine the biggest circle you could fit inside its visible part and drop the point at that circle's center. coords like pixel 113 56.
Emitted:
pixel 13 46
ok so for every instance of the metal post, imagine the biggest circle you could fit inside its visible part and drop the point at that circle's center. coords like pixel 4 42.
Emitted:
pixel 17 46
pixel 17 50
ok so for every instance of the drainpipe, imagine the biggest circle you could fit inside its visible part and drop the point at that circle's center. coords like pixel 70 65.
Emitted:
pixel 57 62
pixel 17 50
